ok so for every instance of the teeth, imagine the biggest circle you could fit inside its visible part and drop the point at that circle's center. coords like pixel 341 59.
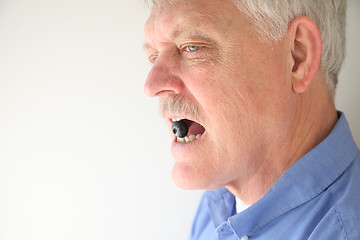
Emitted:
pixel 188 139
pixel 177 119
pixel 192 138
pixel 180 140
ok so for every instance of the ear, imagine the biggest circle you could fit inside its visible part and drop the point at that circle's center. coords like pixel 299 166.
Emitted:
pixel 306 47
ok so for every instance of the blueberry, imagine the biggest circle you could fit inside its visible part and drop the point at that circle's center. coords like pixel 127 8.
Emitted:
pixel 180 129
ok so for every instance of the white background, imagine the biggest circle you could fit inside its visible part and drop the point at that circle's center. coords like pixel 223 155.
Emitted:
pixel 83 153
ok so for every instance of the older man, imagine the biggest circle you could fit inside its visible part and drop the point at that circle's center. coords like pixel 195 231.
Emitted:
pixel 250 85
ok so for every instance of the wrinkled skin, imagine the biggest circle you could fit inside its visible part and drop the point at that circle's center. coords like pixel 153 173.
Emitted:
pixel 210 54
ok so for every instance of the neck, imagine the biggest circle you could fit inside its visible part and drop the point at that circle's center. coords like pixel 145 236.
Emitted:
pixel 314 116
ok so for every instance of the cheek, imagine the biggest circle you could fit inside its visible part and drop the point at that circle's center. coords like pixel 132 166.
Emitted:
pixel 228 92
pixel 223 91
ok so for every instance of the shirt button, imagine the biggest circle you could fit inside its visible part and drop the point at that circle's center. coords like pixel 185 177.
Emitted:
pixel 245 238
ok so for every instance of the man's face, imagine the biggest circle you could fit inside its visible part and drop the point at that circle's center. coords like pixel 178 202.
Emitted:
pixel 207 54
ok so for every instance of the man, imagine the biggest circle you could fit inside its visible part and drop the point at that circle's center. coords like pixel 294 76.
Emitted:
pixel 252 82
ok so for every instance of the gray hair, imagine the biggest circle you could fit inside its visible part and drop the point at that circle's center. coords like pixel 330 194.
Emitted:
pixel 272 18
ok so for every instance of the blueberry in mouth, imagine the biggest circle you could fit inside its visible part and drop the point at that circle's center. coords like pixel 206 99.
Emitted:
pixel 180 128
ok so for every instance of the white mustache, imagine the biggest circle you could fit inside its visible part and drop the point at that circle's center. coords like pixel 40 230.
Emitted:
pixel 176 104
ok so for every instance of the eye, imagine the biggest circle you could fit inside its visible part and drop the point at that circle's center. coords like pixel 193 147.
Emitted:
pixel 192 48
pixel 153 59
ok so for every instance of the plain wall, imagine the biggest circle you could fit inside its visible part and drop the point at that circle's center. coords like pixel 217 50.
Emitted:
pixel 83 153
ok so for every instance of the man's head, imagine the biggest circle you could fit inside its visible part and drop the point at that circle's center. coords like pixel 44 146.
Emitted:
pixel 244 74
pixel 272 18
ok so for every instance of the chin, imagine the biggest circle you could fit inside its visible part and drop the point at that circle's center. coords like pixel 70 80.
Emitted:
pixel 187 177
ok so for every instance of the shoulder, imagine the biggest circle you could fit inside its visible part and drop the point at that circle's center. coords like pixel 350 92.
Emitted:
pixel 343 217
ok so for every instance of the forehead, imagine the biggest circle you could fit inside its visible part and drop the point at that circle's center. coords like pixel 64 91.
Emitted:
pixel 171 18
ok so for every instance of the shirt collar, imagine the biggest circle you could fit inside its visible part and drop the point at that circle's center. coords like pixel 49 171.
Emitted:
pixel 221 203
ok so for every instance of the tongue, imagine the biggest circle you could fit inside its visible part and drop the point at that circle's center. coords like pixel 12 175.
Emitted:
pixel 195 129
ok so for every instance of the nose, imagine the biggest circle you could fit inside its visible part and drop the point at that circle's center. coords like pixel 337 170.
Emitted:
pixel 163 79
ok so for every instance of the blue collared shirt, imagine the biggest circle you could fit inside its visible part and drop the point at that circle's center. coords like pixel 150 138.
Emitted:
pixel 316 198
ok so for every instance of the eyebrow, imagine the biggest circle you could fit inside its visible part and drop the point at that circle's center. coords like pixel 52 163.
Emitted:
pixel 179 35
pixel 181 31
pixel 147 46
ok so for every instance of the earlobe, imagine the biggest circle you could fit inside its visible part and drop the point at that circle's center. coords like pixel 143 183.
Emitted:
pixel 306 47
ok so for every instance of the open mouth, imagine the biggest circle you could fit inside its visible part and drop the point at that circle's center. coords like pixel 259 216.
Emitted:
pixel 186 130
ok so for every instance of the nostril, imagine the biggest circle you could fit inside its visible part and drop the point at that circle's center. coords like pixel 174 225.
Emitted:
pixel 165 93
pixel 158 89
